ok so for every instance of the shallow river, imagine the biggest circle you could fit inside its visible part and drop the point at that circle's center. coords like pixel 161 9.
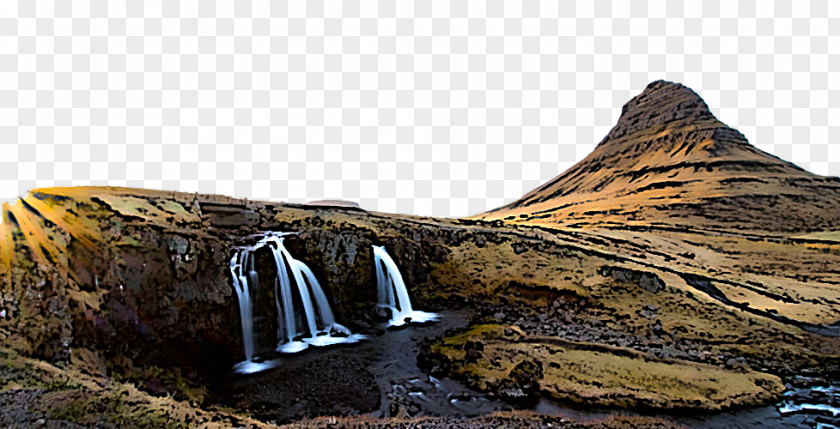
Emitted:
pixel 392 358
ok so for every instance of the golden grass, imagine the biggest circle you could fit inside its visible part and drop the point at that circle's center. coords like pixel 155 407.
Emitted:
pixel 608 376
pixel 72 395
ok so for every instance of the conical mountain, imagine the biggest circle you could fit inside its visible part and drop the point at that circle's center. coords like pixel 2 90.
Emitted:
pixel 669 162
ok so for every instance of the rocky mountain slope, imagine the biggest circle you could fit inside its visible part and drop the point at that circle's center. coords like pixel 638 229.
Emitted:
pixel 669 162
pixel 674 186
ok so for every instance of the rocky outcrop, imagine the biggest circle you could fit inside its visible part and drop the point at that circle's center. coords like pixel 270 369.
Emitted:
pixel 133 275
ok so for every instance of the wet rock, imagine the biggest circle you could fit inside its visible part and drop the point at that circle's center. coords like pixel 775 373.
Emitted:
pixel 381 314
pixel 178 244
pixel 401 407
pixel 414 408
pixel 523 383
pixel 461 396
pixel 513 394
pixel 396 409
pixel 433 363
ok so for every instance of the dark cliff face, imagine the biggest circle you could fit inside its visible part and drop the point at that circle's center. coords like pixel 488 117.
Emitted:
pixel 129 284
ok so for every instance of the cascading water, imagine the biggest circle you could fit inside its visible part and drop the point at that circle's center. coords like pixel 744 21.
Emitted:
pixel 392 291
pixel 316 325
pixel 243 294
pixel 318 322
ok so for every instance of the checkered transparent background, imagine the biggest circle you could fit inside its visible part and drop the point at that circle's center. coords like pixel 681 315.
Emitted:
pixel 414 107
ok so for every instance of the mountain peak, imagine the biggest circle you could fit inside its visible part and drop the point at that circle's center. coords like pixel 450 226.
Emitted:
pixel 659 103
pixel 663 95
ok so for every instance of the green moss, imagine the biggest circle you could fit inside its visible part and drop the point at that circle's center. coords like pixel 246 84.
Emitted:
pixel 116 408
pixel 17 373
pixel 170 377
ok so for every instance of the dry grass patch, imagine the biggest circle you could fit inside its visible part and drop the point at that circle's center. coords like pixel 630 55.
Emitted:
pixel 493 358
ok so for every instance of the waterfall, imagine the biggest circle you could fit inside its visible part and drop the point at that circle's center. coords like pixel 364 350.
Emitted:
pixel 240 285
pixel 312 324
pixel 318 323
pixel 392 291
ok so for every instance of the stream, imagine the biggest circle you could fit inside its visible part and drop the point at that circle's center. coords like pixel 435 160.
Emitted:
pixel 389 359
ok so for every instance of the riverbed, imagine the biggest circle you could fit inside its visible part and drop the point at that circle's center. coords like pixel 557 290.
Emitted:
pixel 380 377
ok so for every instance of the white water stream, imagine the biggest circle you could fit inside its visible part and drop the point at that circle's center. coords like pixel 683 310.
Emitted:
pixel 295 282
pixel 392 291
pixel 304 316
